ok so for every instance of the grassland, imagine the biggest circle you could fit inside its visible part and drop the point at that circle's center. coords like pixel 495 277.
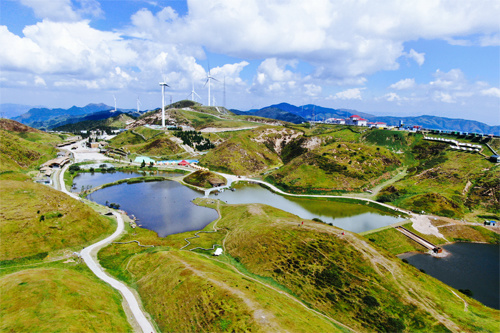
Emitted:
pixel 36 219
pixel 23 148
pixel 348 279
pixel 59 298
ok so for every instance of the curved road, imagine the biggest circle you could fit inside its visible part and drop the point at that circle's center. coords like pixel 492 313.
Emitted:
pixel 87 255
pixel 232 179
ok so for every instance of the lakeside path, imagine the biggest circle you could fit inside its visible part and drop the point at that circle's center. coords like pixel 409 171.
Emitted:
pixel 89 255
pixel 234 179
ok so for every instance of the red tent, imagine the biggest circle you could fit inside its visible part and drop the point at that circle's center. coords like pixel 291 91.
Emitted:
pixel 184 163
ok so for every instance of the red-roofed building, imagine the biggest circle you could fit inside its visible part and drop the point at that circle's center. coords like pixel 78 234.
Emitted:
pixel 184 163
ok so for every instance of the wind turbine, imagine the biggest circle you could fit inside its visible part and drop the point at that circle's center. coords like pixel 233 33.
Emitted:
pixel 138 104
pixel 114 97
pixel 209 77
pixel 163 85
pixel 193 93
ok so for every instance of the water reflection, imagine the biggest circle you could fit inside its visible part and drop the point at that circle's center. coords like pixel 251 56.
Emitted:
pixel 352 217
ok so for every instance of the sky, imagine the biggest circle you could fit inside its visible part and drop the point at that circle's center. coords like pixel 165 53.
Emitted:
pixel 390 57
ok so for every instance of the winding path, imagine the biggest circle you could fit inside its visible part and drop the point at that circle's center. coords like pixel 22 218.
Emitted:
pixel 89 253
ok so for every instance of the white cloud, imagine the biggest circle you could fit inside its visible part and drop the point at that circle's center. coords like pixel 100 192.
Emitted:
pixel 443 97
pixel 391 97
pixel 418 57
pixel 55 10
pixel 403 84
pixel 39 81
pixel 354 93
pixel 312 90
pixel 493 92
pixel 348 40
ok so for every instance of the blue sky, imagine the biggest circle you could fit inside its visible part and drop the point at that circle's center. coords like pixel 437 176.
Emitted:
pixel 437 57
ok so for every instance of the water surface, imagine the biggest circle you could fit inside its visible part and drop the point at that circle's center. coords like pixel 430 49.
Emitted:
pixel 352 217
pixel 469 266
pixel 95 179
pixel 162 206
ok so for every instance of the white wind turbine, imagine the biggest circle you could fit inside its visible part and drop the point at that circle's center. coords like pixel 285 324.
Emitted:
pixel 193 93
pixel 209 77
pixel 138 104
pixel 114 97
pixel 163 85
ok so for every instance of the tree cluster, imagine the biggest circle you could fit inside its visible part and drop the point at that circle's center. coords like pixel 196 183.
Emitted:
pixel 194 139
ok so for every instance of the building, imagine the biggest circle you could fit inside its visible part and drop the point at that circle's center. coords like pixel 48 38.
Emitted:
pixel 356 121
pixel 218 251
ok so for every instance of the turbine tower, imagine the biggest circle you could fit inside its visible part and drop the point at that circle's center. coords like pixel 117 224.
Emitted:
pixel 138 104
pixel 114 97
pixel 193 93
pixel 163 85
pixel 209 77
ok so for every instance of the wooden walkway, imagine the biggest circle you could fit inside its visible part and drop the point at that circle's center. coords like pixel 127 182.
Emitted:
pixel 425 243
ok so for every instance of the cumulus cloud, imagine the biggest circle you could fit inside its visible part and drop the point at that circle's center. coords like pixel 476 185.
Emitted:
pixel 63 10
pixel 418 57
pixel 354 93
pixel 348 40
pixel 403 84
pixel 493 92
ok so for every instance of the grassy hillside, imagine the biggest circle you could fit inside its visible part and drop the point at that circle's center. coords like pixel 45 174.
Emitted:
pixel 36 219
pixel 446 183
pixel 242 154
pixel 336 167
pixel 342 276
pixel 22 147
pixel 54 299
pixel 146 141
pixel 204 179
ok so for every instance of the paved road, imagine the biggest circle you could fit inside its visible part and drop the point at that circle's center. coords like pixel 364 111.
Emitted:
pixel 88 256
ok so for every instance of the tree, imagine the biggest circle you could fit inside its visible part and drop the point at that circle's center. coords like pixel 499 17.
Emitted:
pixel 151 164
pixel 143 164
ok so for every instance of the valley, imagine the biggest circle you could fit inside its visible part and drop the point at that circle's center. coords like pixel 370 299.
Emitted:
pixel 278 271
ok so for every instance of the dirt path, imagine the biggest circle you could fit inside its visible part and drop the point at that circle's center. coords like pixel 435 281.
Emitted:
pixel 265 318
pixel 422 224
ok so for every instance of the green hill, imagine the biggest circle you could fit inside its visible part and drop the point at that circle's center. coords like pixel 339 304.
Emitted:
pixel 147 141
pixel 23 147
pixel 343 277
pixel 37 219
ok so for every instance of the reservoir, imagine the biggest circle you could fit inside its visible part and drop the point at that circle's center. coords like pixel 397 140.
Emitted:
pixel 95 179
pixel 353 217
pixel 166 207
pixel 469 266
pixel 162 206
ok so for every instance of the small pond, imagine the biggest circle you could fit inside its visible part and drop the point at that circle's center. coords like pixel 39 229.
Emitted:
pixel 353 217
pixel 468 266
pixel 162 206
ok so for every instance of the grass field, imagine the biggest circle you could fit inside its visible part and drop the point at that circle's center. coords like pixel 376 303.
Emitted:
pixel 36 218
pixel 59 299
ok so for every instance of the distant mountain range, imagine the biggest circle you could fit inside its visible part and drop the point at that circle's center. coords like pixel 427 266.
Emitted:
pixel 44 118
pixel 298 114
pixel 10 110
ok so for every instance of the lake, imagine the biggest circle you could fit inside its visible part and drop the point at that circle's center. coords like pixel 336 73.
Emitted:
pixel 95 179
pixel 353 217
pixel 469 266
pixel 162 206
